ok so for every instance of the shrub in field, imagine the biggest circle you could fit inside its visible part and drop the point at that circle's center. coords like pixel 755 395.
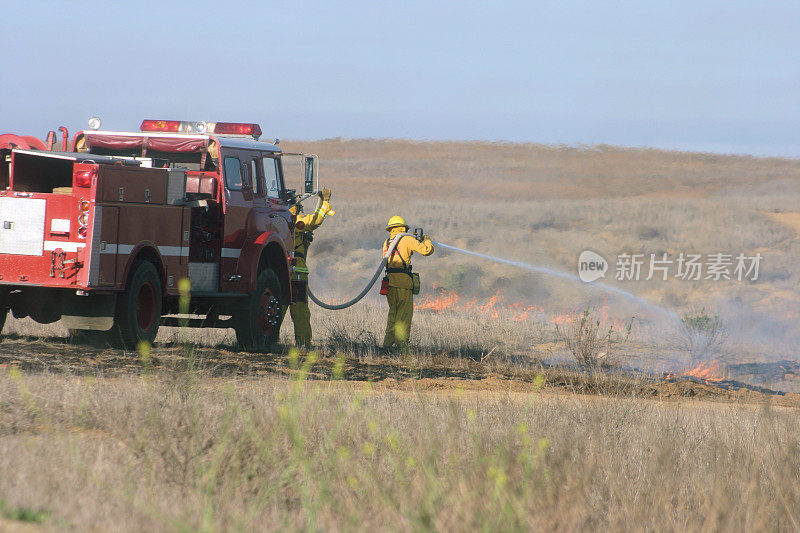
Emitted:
pixel 701 335
pixel 22 514
pixel 460 276
pixel 592 344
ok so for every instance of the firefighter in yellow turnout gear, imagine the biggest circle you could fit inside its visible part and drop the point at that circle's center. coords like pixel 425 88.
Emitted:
pixel 303 228
pixel 401 284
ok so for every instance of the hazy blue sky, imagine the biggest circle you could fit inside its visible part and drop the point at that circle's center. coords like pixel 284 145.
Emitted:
pixel 717 76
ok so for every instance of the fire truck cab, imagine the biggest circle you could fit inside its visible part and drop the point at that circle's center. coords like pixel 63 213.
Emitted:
pixel 109 235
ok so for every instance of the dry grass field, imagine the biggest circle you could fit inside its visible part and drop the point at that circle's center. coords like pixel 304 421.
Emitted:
pixel 178 450
pixel 488 422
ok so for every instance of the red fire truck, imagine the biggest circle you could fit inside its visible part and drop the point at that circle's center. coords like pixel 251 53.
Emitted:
pixel 102 233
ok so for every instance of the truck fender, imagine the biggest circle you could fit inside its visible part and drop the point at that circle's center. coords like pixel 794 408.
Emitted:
pixel 253 255
pixel 148 251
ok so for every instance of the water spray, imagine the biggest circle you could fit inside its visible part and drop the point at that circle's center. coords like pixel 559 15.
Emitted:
pixel 533 268
pixel 566 275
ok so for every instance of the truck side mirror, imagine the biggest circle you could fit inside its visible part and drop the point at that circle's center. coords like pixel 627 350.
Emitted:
pixel 310 175
pixel 288 196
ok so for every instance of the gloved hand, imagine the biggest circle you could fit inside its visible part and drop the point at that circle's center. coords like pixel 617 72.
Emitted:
pixel 326 195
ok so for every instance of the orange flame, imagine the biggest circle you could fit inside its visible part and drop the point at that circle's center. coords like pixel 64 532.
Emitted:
pixel 560 320
pixel 496 307
pixel 708 371
pixel 446 300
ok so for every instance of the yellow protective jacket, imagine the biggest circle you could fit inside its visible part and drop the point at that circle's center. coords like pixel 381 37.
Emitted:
pixel 303 226
pixel 402 254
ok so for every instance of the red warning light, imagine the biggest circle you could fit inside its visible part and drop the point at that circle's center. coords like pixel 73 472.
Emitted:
pixel 161 125
pixel 83 178
pixel 236 128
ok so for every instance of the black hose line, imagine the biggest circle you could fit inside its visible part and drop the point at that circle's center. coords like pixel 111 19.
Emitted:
pixel 370 283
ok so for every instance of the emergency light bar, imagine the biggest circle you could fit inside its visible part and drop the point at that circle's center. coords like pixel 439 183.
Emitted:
pixel 233 128
pixel 222 128
pixel 161 125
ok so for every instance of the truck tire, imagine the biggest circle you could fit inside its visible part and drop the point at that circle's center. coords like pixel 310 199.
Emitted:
pixel 258 322
pixel 138 310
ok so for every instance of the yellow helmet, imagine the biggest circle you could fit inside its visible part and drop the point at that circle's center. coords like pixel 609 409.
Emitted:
pixel 396 222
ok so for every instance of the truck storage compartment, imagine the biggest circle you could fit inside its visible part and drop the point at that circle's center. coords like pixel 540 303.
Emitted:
pixel 117 183
pixel 41 173
pixel 206 233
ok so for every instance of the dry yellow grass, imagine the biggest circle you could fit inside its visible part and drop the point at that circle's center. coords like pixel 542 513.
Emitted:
pixel 186 451
pixel 386 171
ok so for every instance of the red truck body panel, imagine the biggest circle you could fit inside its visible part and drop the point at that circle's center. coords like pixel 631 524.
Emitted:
pixel 125 212
pixel 75 224
pixel 55 256
pixel 128 210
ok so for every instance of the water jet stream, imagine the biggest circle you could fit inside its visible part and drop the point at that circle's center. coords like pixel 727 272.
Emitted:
pixel 565 275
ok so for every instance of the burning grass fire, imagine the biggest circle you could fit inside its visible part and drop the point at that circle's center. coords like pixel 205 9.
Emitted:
pixel 715 374
pixel 498 306
pixel 495 307
pixel 710 372
pixel 707 371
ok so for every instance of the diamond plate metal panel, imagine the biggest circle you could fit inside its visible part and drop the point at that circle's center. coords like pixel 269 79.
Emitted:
pixel 176 187
pixel 22 225
pixel 204 276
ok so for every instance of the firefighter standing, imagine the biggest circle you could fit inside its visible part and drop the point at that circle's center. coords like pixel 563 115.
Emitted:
pixel 303 228
pixel 401 282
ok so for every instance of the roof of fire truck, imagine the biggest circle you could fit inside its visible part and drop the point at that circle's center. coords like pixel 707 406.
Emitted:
pixel 177 136
pixel 74 156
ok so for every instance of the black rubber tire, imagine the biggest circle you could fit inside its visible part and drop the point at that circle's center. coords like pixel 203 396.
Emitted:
pixel 3 315
pixel 138 310
pixel 258 321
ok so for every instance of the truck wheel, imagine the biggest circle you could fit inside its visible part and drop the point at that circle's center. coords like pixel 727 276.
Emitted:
pixel 258 323
pixel 3 315
pixel 138 310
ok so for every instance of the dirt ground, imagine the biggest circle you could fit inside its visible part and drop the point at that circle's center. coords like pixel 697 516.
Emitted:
pixel 418 374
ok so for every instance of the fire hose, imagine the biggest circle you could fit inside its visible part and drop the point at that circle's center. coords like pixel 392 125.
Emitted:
pixel 370 283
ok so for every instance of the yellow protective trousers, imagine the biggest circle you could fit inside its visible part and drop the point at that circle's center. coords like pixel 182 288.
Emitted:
pixel 301 317
pixel 401 310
